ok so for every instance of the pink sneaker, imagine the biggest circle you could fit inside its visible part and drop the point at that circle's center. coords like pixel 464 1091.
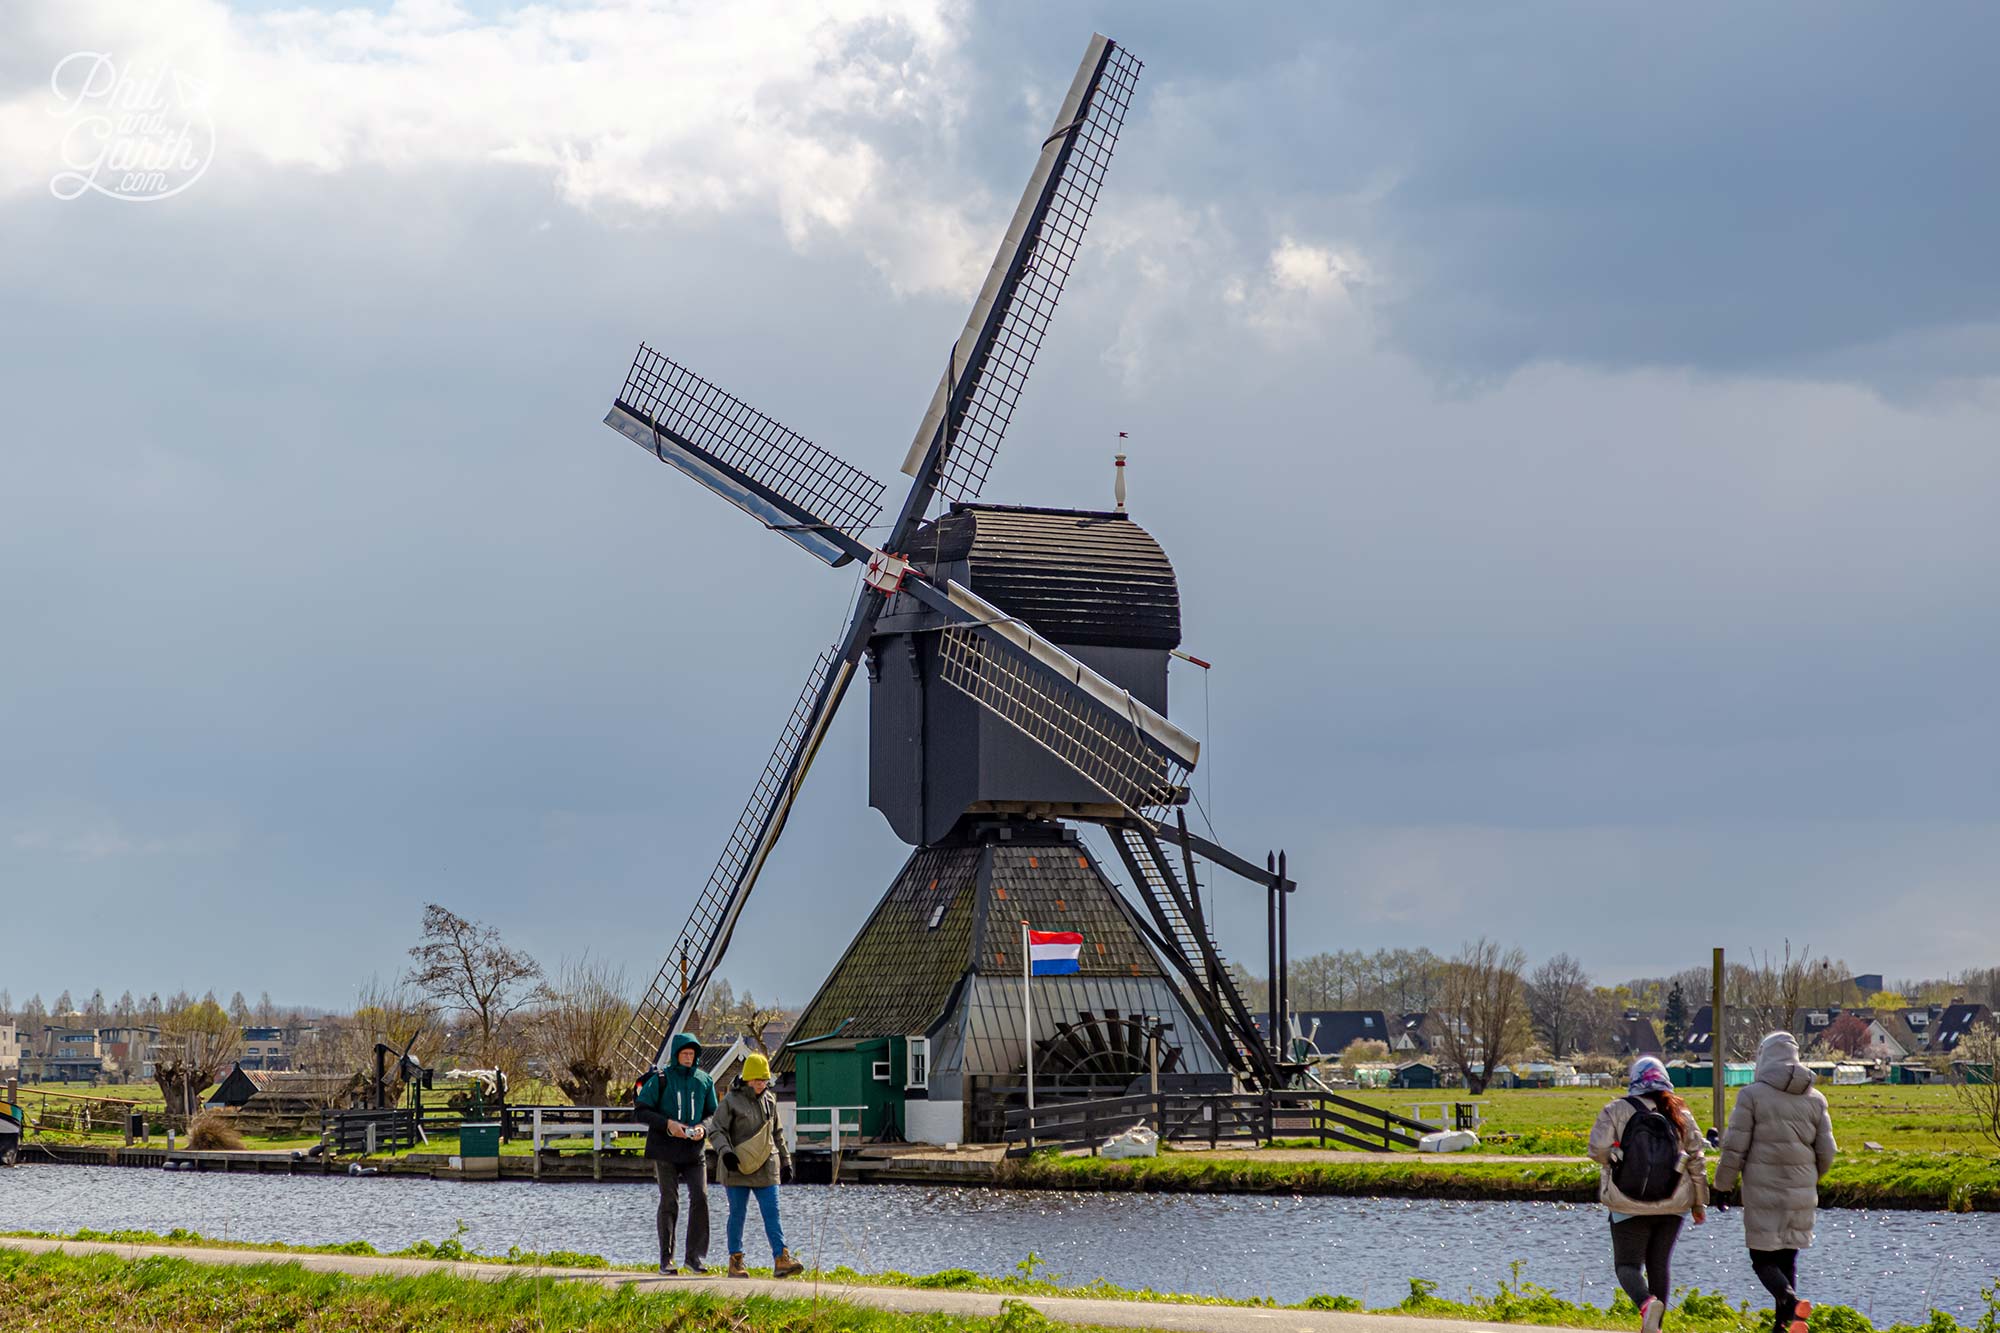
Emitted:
pixel 1651 1314
pixel 1800 1313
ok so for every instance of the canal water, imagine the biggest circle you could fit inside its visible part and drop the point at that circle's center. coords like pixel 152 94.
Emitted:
pixel 1889 1265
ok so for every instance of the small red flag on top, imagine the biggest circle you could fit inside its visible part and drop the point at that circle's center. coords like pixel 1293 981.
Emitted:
pixel 1124 435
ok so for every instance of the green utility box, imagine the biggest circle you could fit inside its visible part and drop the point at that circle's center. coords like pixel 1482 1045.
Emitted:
pixel 479 1140
pixel 859 1081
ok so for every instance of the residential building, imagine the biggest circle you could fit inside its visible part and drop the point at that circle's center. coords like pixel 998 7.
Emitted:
pixel 1954 1023
pixel 1331 1031
pixel 1699 1039
pixel 68 1055
pixel 1891 1039
pixel 1413 1033
pixel 1635 1035
pixel 265 1048
pixel 1921 1021
pixel 129 1051
pixel 10 1049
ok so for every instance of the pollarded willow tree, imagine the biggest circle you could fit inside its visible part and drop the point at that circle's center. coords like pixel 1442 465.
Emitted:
pixel 575 1029
pixel 198 1041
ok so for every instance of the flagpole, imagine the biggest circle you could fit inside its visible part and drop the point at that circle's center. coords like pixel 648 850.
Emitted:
pixel 1028 1022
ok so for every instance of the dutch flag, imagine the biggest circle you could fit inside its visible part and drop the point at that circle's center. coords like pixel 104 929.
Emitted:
pixel 1052 953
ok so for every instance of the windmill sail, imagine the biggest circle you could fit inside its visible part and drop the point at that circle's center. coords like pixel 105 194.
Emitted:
pixel 671 999
pixel 774 474
pixel 1109 745
pixel 990 362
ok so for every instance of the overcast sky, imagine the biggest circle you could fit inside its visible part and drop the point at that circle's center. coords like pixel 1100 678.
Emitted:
pixel 1576 428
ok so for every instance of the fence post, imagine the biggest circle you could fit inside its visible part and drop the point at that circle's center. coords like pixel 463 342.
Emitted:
pixel 369 1139
pixel 1208 1110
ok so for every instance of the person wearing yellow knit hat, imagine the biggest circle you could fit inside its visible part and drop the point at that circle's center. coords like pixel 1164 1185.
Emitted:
pixel 755 1159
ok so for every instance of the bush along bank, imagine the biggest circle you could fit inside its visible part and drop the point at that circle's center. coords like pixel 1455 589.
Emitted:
pixel 1926 1181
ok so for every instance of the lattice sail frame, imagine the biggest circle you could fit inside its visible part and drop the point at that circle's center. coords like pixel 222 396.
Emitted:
pixel 696 412
pixel 973 433
pixel 704 937
pixel 1108 750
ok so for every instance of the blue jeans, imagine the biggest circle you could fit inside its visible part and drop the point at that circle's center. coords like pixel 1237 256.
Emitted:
pixel 767 1204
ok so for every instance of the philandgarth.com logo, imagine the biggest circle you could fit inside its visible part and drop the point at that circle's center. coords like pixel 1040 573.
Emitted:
pixel 139 132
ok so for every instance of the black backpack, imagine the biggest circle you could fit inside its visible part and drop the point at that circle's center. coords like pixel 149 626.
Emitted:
pixel 1650 1167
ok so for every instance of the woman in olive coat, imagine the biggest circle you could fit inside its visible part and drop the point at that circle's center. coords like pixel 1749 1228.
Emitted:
pixel 750 1143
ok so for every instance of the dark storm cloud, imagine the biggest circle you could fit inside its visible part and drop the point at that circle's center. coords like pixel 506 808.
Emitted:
pixel 1738 189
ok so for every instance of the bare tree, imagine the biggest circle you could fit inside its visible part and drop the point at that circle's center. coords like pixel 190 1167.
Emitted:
pixel 1978 1082
pixel 464 965
pixel 1764 993
pixel 394 1015
pixel 198 1041
pixel 726 1014
pixel 1557 993
pixel 576 1028
pixel 1481 1007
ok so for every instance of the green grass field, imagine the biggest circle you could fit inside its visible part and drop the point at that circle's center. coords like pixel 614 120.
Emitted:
pixel 1558 1120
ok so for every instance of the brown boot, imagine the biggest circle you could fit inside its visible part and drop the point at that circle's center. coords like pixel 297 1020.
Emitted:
pixel 783 1265
pixel 736 1268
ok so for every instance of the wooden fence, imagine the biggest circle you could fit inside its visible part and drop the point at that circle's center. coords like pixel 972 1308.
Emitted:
pixel 1184 1117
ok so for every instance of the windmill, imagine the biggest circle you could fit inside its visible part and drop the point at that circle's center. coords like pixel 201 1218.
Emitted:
pixel 989 728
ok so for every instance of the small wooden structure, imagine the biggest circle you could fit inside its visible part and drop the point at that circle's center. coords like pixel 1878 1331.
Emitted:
pixel 1416 1074
pixel 277 1101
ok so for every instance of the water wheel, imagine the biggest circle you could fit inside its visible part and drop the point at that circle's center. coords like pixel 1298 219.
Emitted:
pixel 1101 1055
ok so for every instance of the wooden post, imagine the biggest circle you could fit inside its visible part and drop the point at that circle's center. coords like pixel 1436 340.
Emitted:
pixel 1153 1064
pixel 1716 1042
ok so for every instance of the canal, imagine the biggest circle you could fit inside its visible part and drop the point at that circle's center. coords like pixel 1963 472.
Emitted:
pixel 1889 1265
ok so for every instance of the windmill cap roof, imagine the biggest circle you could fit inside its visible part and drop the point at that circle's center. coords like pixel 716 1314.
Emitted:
pixel 1077 576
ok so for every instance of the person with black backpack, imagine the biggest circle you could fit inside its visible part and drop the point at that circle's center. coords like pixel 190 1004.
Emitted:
pixel 1650 1151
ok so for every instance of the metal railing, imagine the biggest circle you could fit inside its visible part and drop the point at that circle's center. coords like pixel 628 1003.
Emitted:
pixel 830 1127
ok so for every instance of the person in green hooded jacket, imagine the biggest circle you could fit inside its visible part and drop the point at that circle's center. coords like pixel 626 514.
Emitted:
pixel 676 1105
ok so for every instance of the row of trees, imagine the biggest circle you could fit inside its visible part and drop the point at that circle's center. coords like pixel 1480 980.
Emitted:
pixel 1492 1010
pixel 130 1010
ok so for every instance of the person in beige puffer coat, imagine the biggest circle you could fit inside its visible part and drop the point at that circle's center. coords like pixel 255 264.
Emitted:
pixel 1778 1144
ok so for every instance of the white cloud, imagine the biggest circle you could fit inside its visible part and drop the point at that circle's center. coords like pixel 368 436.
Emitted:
pixel 817 116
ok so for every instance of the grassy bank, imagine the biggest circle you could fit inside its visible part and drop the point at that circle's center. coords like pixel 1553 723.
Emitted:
pixel 1955 1182
pixel 451 1250
pixel 105 1294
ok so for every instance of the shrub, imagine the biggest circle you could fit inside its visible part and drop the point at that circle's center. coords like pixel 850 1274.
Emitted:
pixel 213 1131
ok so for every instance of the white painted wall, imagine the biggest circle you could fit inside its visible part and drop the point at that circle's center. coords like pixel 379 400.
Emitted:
pixel 934 1121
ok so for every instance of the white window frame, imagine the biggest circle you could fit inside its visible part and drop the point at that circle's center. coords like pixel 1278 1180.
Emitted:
pixel 917 1073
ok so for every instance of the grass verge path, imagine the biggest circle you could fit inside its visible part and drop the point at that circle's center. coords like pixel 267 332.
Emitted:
pixel 958 1304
